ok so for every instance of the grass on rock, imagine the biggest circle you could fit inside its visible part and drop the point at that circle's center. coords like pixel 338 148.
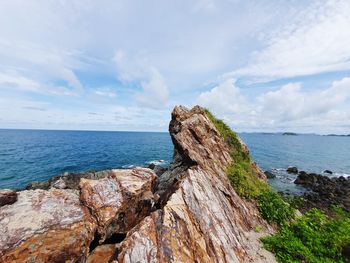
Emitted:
pixel 313 237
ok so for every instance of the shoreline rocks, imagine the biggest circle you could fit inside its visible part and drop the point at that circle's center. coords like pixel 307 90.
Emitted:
pixel 326 191
pixel 292 170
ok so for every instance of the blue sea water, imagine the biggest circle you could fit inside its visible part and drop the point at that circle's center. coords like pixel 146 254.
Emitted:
pixel 36 155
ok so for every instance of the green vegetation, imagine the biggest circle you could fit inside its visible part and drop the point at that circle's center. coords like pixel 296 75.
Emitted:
pixel 273 209
pixel 240 172
pixel 313 237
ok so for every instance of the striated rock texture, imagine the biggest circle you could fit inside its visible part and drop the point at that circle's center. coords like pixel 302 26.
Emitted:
pixel 202 218
pixel 7 197
pixel 103 253
pixel 119 200
pixel 45 226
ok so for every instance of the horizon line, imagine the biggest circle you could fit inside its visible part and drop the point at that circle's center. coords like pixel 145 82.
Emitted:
pixel 138 131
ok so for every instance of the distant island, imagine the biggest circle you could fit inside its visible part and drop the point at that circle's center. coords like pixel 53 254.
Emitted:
pixel 289 133
pixel 341 135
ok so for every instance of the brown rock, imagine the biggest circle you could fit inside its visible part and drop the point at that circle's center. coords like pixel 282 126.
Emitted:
pixel 103 254
pixel 120 200
pixel 45 226
pixel 202 218
pixel 7 197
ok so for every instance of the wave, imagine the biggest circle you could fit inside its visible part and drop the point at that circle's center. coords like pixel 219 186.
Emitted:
pixel 340 174
pixel 128 166
pixel 156 162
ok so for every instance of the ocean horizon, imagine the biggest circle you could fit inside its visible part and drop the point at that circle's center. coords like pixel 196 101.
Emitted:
pixel 28 155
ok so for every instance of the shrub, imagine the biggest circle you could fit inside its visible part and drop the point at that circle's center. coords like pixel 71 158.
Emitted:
pixel 314 237
pixel 244 180
pixel 273 209
pixel 240 173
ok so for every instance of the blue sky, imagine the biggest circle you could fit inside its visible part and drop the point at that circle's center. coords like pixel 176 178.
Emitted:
pixel 123 65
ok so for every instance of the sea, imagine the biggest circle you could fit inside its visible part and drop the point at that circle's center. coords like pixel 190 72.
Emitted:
pixel 37 155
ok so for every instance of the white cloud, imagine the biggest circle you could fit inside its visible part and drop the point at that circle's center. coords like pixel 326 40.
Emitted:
pixel 288 106
pixel 137 70
pixel 225 97
pixel 316 40
pixel 12 80
pixel 105 92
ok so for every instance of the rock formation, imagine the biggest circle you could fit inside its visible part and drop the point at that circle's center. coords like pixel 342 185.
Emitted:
pixel 202 218
pixel 190 213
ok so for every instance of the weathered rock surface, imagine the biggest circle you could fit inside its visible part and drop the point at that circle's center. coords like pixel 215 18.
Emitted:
pixel 326 191
pixel 119 200
pixel 7 197
pixel 103 254
pixel 67 181
pixel 202 218
pixel 45 226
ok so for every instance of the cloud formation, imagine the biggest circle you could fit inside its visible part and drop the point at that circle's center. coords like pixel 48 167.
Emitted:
pixel 130 61
pixel 288 106
pixel 137 70
pixel 315 41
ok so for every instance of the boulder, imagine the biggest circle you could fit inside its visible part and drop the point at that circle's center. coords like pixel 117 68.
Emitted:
pixel 7 197
pixel 292 170
pixel 45 226
pixel 120 200
pixel 327 172
pixel 269 175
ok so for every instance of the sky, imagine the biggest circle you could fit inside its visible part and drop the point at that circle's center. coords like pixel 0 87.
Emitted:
pixel 261 66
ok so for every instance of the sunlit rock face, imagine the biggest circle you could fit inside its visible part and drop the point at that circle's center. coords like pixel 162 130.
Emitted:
pixel 202 218
pixel 120 200
pixel 45 226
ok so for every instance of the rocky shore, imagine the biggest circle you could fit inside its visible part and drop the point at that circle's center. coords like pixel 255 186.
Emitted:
pixel 188 213
pixel 326 191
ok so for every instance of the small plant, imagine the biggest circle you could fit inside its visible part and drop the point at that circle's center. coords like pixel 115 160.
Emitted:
pixel 258 228
pixel 273 209
pixel 295 201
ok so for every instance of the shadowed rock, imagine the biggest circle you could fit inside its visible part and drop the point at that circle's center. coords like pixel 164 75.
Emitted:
pixel 119 200
pixel 7 197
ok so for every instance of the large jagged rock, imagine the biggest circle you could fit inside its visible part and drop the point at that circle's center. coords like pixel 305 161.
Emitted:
pixel 45 226
pixel 120 200
pixel 202 218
